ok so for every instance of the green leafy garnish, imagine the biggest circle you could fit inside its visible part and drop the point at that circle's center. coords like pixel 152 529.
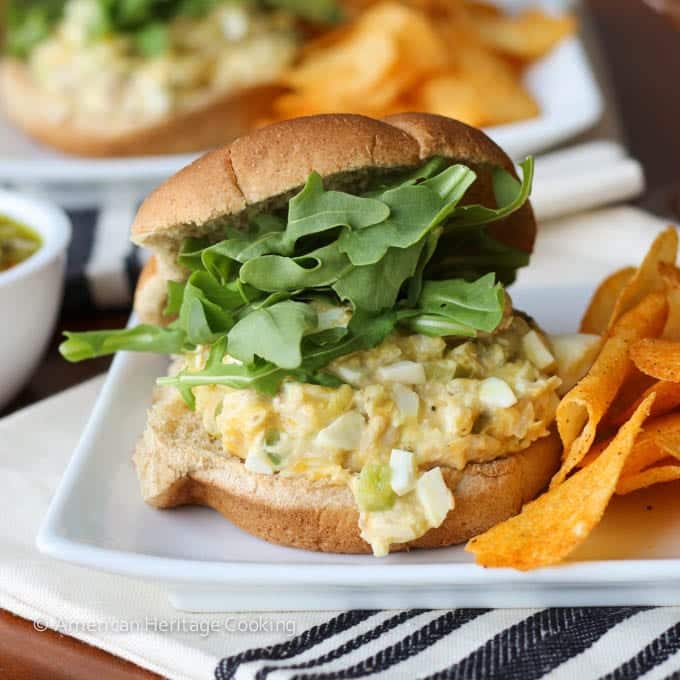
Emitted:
pixel 458 307
pixel 274 333
pixel 408 253
pixel 144 338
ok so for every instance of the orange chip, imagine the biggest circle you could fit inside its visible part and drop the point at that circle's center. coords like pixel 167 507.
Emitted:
pixel 629 397
pixel 672 329
pixel 657 441
pixel 641 480
pixel 585 405
pixel 426 55
pixel 550 527
pixel 667 399
pixel 529 35
pixel 599 312
pixel 658 358
pixel 648 278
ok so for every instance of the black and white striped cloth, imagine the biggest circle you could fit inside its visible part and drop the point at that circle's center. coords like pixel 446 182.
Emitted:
pixel 583 643
pixel 102 265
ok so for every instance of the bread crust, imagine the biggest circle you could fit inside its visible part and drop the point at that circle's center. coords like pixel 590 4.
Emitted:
pixel 179 464
pixel 218 120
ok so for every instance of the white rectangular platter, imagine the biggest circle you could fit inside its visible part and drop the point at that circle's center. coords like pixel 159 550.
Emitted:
pixel 97 519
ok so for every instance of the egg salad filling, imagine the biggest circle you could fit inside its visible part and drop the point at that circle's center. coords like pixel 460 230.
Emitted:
pixel 408 407
pixel 362 339
pixel 118 78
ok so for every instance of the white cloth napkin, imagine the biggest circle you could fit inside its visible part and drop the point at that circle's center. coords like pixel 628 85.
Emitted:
pixel 36 443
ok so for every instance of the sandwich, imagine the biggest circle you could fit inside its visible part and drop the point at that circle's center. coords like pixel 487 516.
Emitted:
pixel 348 374
pixel 101 78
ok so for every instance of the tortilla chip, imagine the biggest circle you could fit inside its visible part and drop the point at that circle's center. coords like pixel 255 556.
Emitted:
pixel 584 407
pixel 667 399
pixel 657 358
pixel 659 440
pixel 599 312
pixel 552 526
pixel 648 278
pixel 641 480
pixel 646 320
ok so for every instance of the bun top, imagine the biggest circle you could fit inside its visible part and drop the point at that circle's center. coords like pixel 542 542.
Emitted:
pixel 268 165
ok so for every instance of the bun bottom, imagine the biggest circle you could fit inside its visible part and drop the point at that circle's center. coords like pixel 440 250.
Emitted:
pixel 179 464
pixel 220 119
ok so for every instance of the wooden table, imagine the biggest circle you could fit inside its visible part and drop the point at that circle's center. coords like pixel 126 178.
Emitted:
pixel 642 52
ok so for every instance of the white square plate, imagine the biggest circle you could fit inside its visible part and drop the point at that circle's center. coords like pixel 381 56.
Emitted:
pixel 562 83
pixel 97 519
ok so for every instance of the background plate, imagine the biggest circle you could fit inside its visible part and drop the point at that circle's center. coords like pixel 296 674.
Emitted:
pixel 562 83
pixel 98 519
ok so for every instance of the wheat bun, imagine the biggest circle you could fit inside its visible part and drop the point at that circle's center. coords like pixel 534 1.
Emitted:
pixel 265 167
pixel 179 464
pixel 213 121
pixel 176 460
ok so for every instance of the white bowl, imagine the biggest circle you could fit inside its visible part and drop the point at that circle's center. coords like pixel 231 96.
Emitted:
pixel 30 292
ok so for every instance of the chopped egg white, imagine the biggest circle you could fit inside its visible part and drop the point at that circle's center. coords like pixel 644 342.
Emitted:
pixel 406 372
pixel 404 471
pixel 434 496
pixel 407 401
pixel 537 351
pixel 258 461
pixel 343 433
pixel 574 354
pixel 496 393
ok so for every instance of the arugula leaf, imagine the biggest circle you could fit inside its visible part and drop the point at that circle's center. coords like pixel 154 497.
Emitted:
pixel 262 376
pixel 415 285
pixel 376 287
pixel 174 298
pixel 364 331
pixel 415 209
pixel 321 267
pixel 143 338
pixel 477 304
pixel 508 196
pixel 272 333
pixel 473 253
pixel 191 252
pixel 315 210
pixel 205 312
pixel 438 326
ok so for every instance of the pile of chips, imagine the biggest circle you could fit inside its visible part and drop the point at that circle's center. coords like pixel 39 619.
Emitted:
pixel 452 57
pixel 620 425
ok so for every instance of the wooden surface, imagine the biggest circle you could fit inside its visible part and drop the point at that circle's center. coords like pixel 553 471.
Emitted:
pixel 642 53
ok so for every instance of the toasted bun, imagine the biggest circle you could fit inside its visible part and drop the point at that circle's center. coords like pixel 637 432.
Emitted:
pixel 179 464
pixel 216 120
pixel 264 168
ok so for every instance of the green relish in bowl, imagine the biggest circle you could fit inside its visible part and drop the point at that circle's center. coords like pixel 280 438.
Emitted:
pixel 17 243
